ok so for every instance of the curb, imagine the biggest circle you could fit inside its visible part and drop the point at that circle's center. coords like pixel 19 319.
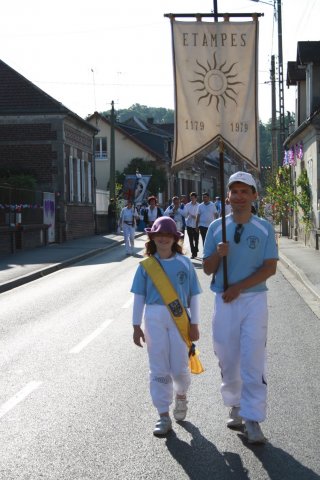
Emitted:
pixel 30 277
pixel 298 274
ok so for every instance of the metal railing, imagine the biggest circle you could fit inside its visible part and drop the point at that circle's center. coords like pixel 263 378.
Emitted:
pixel 20 205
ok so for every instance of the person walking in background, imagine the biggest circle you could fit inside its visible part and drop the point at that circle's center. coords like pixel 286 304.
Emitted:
pixel 183 199
pixel 191 211
pixel 207 212
pixel 253 209
pixel 183 203
pixel 127 222
pixel 167 351
pixel 227 206
pixel 176 211
pixel 240 315
pixel 152 212
pixel 217 204
pixel 268 212
pixel 112 215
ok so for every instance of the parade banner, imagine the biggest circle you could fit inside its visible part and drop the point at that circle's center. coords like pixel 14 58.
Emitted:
pixel 141 188
pixel 215 71
pixel 135 188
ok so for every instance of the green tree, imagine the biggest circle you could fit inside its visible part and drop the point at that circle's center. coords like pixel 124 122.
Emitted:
pixel 280 194
pixel 158 114
pixel 304 199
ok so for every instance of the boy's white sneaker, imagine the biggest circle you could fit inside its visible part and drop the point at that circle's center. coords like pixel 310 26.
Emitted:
pixel 163 426
pixel 253 432
pixel 234 421
pixel 180 409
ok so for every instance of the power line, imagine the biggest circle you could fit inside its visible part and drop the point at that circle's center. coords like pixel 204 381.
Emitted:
pixel 106 84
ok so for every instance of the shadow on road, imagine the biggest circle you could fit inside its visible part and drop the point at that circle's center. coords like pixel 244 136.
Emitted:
pixel 279 464
pixel 201 459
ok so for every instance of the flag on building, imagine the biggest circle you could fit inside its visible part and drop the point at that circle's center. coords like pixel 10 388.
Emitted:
pixel 215 71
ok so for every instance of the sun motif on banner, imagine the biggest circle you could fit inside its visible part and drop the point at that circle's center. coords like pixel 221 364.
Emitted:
pixel 216 81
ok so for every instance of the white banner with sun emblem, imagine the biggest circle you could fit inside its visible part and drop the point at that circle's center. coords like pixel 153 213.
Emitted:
pixel 215 70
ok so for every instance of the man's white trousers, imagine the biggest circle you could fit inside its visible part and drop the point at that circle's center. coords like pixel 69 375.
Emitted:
pixel 168 357
pixel 239 340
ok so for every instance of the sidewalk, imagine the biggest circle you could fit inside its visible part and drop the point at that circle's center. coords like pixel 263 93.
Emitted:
pixel 26 266
pixel 303 262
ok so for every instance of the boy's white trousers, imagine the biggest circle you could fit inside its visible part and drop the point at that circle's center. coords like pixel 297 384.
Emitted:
pixel 168 357
pixel 128 233
pixel 239 339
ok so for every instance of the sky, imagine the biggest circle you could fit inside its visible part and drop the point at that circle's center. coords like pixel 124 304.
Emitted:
pixel 86 54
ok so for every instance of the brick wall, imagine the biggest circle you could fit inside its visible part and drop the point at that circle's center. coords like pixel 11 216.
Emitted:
pixel 38 148
pixel 36 159
pixel 7 240
pixel 32 216
pixel 29 147
pixel 27 132
pixel 102 224
pixel 80 221
pixel 30 237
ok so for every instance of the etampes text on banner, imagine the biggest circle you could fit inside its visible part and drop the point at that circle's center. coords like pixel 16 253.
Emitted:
pixel 215 69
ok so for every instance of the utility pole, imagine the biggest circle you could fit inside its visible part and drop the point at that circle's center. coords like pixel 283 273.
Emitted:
pixel 282 135
pixel 274 117
pixel 277 9
pixel 281 94
pixel 112 179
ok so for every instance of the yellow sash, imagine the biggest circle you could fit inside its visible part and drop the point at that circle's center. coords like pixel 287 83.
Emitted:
pixel 175 307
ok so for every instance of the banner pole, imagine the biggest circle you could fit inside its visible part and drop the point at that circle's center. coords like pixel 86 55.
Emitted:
pixel 215 10
pixel 223 212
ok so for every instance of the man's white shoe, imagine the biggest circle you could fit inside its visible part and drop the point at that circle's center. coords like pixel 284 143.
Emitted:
pixel 234 421
pixel 180 409
pixel 253 432
pixel 163 426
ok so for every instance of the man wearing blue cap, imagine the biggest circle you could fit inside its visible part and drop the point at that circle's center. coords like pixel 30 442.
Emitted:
pixel 241 315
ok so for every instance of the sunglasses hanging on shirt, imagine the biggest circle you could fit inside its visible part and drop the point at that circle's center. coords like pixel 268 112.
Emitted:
pixel 238 232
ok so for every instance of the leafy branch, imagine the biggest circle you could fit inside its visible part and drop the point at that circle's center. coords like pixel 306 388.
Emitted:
pixel 304 199
pixel 280 194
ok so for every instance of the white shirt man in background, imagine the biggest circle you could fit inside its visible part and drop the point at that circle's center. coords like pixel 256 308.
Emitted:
pixel 176 212
pixel 207 212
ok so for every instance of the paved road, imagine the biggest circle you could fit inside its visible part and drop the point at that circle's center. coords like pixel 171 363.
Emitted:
pixel 74 401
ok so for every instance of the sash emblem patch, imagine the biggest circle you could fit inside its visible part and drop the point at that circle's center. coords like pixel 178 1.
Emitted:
pixel 176 308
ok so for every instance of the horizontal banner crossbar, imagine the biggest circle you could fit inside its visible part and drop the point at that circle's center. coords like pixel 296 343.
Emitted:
pixel 213 15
